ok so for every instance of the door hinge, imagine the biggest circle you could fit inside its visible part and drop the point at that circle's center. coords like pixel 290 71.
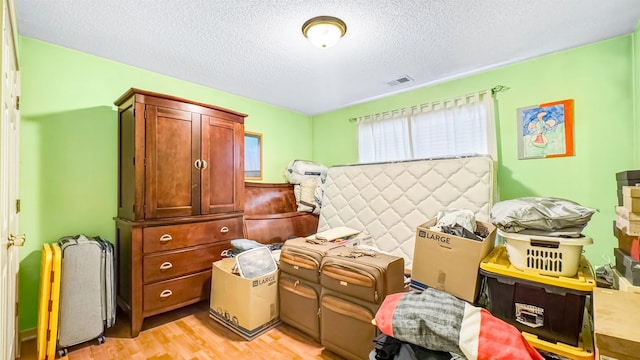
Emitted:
pixel 17 102
pixel 17 206
pixel 133 208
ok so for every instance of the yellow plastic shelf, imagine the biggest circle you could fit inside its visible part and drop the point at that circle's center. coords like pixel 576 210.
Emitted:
pixel 497 262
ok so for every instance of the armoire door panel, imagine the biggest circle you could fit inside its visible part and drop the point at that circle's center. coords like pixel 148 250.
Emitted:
pixel 218 179
pixel 169 162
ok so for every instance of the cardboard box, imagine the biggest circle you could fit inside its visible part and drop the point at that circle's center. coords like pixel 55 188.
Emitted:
pixel 447 262
pixel 627 266
pixel 631 198
pixel 628 243
pixel 623 284
pixel 627 221
pixel 248 307
pixel 615 324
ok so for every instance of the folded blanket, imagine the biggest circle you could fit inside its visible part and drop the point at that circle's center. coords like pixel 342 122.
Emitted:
pixel 438 321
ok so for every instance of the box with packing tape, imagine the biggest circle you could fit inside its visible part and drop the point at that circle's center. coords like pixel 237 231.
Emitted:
pixel 450 263
pixel 247 306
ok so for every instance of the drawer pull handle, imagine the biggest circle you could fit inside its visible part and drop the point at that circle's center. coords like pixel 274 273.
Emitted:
pixel 204 164
pixel 224 230
pixel 166 265
pixel 166 293
pixel 165 238
pixel 198 164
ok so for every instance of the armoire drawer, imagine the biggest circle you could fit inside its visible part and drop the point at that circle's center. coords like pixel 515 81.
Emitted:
pixel 169 237
pixel 167 265
pixel 166 294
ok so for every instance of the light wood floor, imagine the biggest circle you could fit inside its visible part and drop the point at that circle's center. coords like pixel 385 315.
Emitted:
pixel 189 333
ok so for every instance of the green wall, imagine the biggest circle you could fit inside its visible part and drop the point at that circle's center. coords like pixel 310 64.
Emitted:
pixel 68 150
pixel 68 136
pixel 598 77
pixel 636 92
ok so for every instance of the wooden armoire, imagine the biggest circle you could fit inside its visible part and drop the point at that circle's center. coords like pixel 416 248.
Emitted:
pixel 180 199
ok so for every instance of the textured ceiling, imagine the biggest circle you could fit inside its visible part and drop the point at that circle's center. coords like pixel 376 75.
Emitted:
pixel 255 48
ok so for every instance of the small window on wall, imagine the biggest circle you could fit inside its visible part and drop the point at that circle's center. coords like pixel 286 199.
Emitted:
pixel 252 156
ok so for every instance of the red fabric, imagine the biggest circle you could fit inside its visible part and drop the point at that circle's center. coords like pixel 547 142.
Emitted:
pixel 501 341
pixel 384 316
pixel 635 249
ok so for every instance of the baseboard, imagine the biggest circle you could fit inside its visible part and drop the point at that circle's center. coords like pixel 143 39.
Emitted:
pixel 29 334
pixel 24 336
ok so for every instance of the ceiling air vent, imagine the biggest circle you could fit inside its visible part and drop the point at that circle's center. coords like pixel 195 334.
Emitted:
pixel 401 80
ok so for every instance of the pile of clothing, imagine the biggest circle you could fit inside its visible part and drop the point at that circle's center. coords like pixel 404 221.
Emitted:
pixel 461 223
pixel 435 325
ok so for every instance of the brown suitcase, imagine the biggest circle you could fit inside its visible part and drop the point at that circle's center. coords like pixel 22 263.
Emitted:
pixel 301 257
pixel 346 325
pixel 300 304
pixel 366 275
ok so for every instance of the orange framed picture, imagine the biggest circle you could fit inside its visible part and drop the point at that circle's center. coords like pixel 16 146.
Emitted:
pixel 545 130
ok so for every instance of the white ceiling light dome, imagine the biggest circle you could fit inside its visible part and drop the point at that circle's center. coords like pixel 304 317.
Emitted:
pixel 324 31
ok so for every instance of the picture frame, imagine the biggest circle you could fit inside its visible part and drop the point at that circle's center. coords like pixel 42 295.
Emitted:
pixel 545 130
pixel 252 155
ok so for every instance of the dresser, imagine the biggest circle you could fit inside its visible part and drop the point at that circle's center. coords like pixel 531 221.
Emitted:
pixel 180 199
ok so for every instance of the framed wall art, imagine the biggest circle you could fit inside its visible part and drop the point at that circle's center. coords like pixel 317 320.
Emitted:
pixel 545 130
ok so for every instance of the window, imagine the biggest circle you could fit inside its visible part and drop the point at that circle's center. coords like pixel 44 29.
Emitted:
pixel 453 127
pixel 252 156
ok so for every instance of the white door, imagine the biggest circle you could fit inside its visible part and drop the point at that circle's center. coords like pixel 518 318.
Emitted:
pixel 9 207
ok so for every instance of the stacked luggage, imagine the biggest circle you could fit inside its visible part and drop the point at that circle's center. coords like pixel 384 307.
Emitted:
pixel 538 281
pixel 332 292
pixel 627 230
pixel 78 303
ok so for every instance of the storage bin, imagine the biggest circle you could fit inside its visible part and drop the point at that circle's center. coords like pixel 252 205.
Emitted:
pixel 550 350
pixel 629 244
pixel 623 284
pixel 626 178
pixel 546 255
pixel 551 308
pixel 627 266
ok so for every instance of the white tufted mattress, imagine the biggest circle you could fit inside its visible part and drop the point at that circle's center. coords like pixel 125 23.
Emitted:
pixel 389 200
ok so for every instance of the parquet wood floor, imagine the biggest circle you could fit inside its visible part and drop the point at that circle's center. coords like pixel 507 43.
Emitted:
pixel 188 334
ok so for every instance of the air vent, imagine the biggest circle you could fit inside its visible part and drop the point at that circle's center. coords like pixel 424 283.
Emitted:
pixel 401 80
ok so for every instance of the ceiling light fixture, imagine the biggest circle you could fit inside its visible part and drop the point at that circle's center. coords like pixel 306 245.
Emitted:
pixel 324 31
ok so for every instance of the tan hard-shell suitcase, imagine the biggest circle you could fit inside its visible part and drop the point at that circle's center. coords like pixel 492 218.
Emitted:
pixel 346 325
pixel 300 304
pixel 301 257
pixel 366 275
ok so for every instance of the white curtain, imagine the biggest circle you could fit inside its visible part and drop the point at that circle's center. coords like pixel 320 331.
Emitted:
pixel 384 137
pixel 452 127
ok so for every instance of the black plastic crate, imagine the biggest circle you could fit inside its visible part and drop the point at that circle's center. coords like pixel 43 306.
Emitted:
pixel 553 313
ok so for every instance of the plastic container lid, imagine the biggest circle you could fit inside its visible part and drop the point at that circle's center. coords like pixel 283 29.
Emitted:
pixel 255 263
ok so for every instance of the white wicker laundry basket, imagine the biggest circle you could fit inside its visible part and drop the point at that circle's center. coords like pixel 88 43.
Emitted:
pixel 545 255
